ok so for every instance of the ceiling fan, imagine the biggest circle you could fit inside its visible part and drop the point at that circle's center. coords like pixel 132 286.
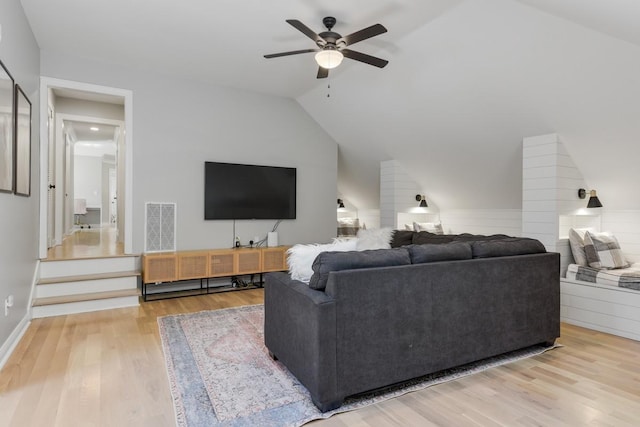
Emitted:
pixel 332 47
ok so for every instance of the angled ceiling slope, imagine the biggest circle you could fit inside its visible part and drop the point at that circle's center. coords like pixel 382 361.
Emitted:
pixel 468 79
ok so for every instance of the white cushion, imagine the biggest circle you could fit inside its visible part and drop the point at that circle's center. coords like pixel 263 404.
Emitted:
pixel 603 251
pixel 408 227
pixel 374 238
pixel 300 257
pixel 576 242
pixel 431 227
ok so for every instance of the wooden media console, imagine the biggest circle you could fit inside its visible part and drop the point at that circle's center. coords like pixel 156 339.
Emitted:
pixel 168 267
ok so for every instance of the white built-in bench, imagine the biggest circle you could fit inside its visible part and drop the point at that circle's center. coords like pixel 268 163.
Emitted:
pixel 604 308
pixel 601 307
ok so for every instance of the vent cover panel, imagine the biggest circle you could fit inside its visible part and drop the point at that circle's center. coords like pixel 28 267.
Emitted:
pixel 160 227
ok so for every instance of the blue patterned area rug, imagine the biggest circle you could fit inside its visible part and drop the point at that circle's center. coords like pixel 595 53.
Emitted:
pixel 220 373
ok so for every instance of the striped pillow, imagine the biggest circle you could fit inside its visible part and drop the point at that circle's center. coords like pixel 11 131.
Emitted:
pixel 431 227
pixel 576 241
pixel 603 251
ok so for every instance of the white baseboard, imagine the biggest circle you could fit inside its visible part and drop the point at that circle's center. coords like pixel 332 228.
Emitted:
pixel 10 344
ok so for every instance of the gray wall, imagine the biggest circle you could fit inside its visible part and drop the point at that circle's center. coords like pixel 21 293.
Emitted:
pixel 178 125
pixel 19 215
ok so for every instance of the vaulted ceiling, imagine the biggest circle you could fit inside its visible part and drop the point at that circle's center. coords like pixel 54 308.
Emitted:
pixel 467 80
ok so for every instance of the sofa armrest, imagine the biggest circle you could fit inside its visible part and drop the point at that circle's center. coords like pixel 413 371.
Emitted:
pixel 300 330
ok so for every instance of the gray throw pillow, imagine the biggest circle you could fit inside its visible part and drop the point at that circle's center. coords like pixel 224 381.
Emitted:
pixel 439 252
pixel 423 237
pixel 326 262
pixel 506 247
pixel 401 238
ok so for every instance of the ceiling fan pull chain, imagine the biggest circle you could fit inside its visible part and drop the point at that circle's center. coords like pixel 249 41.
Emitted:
pixel 328 90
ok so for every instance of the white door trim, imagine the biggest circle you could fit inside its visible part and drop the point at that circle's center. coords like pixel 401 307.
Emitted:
pixel 49 82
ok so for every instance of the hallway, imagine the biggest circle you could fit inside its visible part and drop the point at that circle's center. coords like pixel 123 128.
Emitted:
pixel 88 243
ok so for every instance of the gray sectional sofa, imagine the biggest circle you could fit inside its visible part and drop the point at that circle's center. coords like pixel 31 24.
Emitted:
pixel 375 318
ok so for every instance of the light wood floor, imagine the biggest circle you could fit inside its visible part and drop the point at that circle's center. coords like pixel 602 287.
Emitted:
pixel 107 369
pixel 88 243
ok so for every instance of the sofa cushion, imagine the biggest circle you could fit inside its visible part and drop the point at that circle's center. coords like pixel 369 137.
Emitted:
pixel 467 237
pixel 327 262
pixel 401 238
pixel 439 252
pixel 300 257
pixel 423 237
pixel 506 247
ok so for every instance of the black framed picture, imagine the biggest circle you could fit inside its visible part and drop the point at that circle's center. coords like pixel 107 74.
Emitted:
pixel 22 148
pixel 7 123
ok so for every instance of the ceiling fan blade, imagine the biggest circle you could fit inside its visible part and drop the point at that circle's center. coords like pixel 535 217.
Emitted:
pixel 292 52
pixel 364 34
pixel 323 73
pixel 306 30
pixel 363 57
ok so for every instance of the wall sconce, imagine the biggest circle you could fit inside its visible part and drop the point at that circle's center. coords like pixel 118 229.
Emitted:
pixel 340 205
pixel 421 199
pixel 594 202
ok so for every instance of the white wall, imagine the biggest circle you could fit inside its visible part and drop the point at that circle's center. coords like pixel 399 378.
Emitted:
pixel 81 107
pixel 462 90
pixel 87 180
pixel 625 225
pixel 19 215
pixel 482 221
pixel 178 125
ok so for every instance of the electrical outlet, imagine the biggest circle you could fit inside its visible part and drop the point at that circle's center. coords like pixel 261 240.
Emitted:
pixel 8 302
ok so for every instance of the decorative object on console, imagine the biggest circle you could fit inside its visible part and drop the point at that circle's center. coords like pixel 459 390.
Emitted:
pixel 594 202
pixel 272 239
pixel 375 238
pixel 603 251
pixel 423 202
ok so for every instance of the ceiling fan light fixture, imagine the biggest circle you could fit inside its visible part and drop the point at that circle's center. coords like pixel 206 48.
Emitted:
pixel 329 58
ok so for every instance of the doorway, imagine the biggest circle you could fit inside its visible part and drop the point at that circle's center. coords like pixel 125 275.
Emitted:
pixel 94 122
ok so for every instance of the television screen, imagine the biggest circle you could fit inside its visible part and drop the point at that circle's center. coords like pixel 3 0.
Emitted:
pixel 235 191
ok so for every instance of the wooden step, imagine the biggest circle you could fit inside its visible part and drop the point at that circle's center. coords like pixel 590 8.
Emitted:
pixel 85 277
pixel 39 302
pixel 87 266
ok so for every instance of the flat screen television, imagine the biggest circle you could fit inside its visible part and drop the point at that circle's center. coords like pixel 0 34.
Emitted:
pixel 237 191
